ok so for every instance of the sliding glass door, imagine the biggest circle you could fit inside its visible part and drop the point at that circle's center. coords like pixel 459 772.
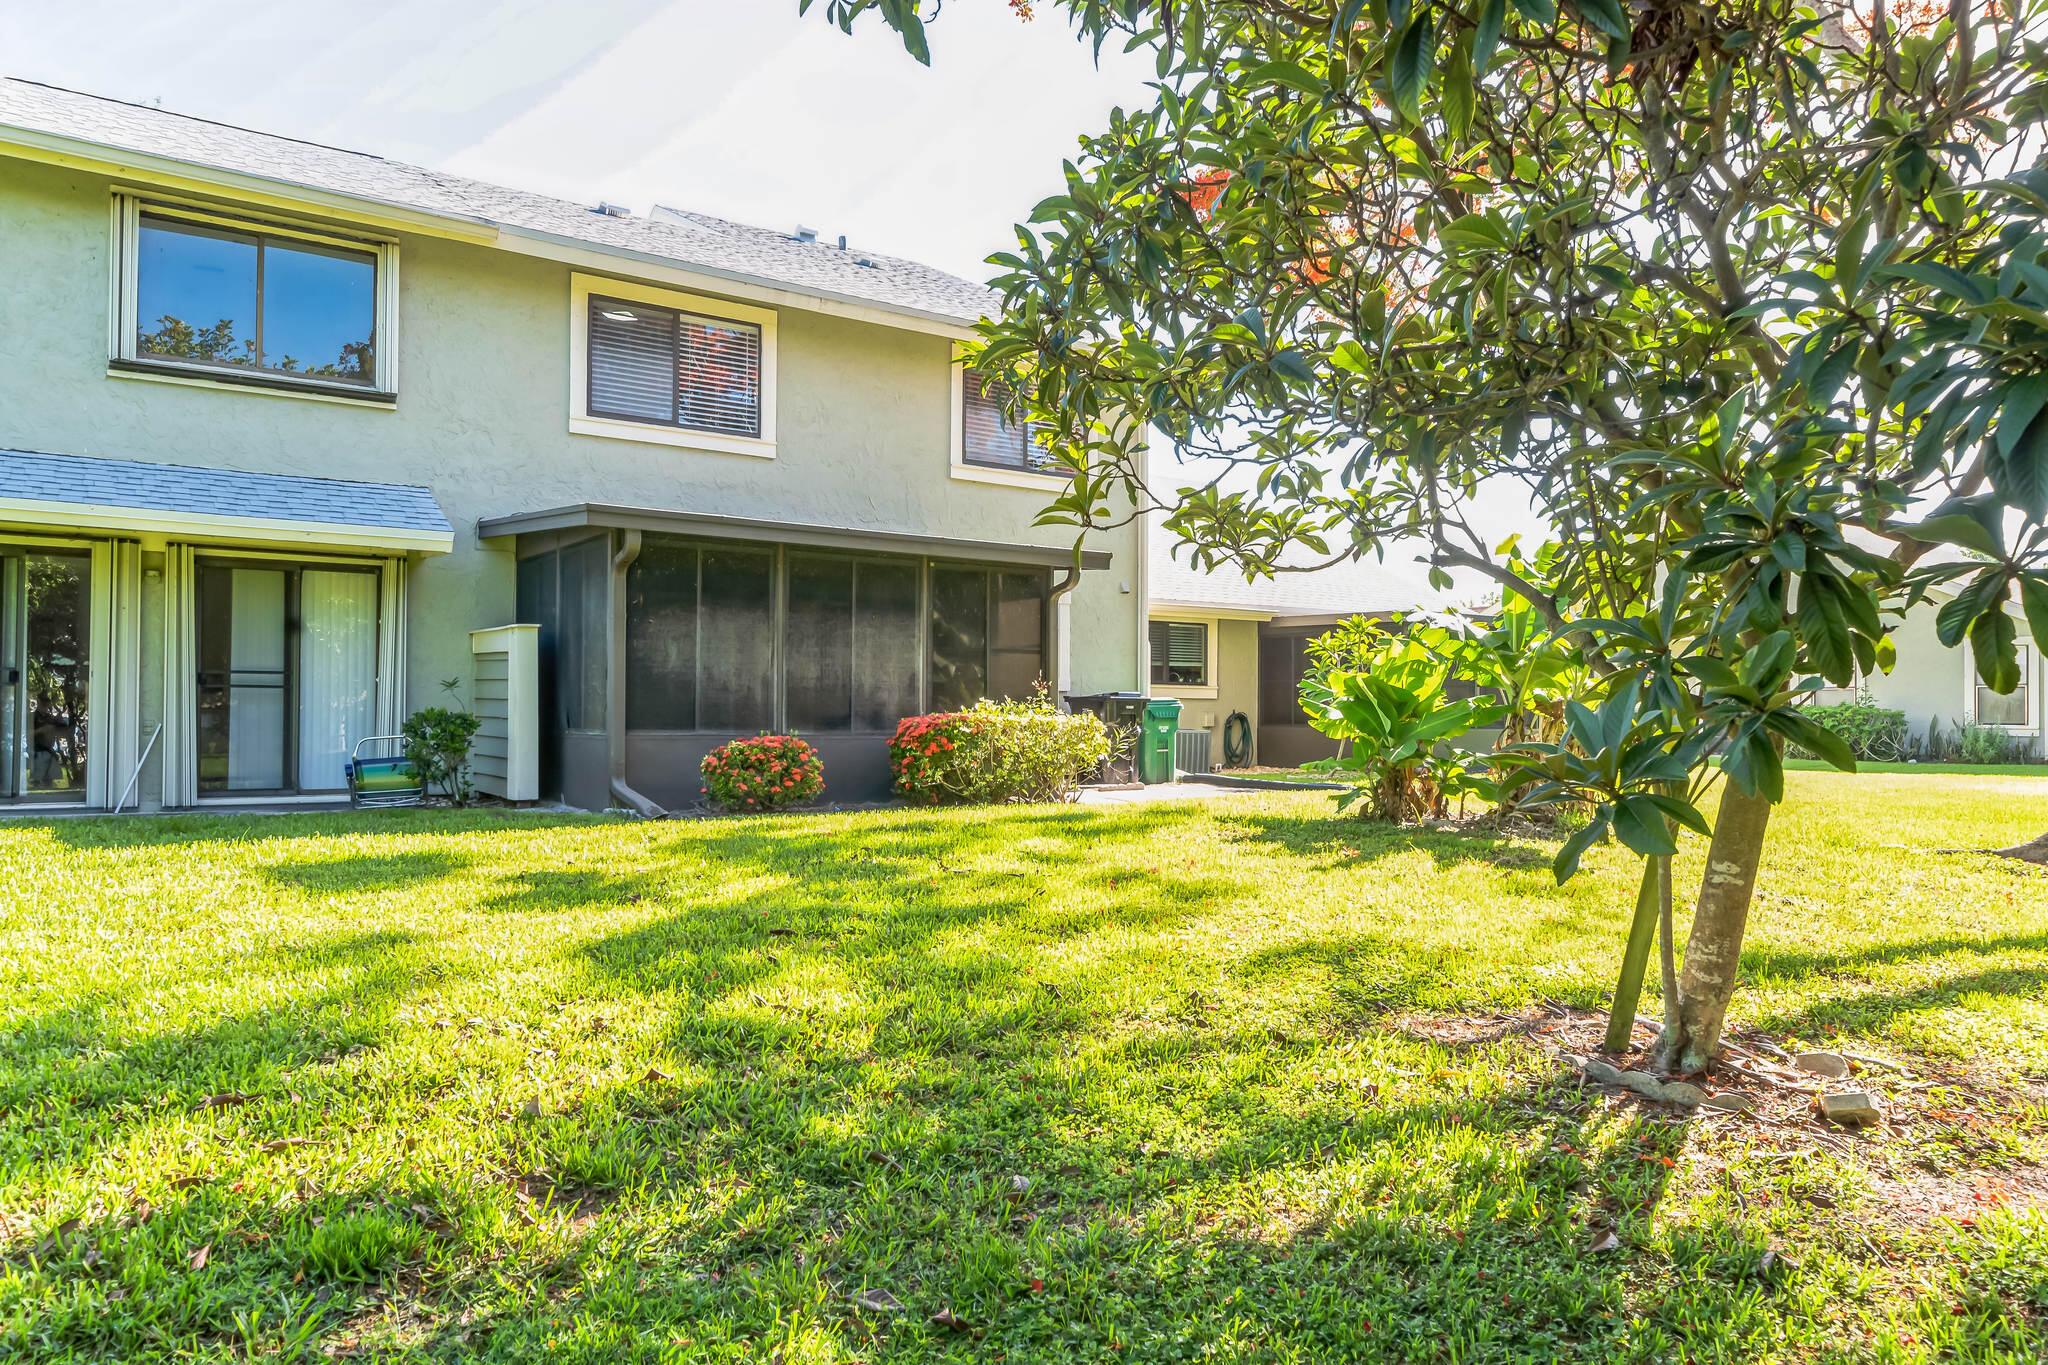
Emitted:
pixel 287 675
pixel 45 601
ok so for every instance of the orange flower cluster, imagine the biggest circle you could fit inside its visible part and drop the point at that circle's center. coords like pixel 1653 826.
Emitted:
pixel 767 772
pixel 1202 192
pixel 928 754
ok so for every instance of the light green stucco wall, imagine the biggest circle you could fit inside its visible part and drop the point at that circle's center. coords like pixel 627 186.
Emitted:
pixel 863 420
pixel 1237 681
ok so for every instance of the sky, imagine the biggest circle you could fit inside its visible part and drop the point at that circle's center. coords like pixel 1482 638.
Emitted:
pixel 738 108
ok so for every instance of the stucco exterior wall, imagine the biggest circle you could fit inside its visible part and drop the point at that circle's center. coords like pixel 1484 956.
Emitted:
pixel 1933 683
pixel 483 342
pixel 1234 682
pixel 1237 684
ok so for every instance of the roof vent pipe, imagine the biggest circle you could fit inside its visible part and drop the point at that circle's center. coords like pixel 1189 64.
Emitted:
pixel 807 235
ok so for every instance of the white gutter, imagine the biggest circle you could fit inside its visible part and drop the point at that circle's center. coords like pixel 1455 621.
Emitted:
pixel 209 526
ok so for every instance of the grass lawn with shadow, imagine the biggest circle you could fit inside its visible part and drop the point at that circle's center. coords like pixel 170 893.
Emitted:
pixel 1032 1084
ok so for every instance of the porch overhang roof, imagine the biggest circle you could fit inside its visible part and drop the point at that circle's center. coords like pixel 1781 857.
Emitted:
pixel 77 493
pixel 710 526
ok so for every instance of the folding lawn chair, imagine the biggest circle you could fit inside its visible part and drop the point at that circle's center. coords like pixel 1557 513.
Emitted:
pixel 390 780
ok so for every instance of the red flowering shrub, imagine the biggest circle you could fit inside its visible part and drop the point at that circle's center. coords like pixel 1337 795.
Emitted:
pixel 997 751
pixel 767 772
pixel 937 758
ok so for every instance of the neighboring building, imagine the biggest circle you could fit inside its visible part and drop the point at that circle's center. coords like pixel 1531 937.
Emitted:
pixel 281 424
pixel 1228 647
pixel 1938 687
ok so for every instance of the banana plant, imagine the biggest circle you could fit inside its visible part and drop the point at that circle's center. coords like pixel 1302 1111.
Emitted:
pixel 1396 724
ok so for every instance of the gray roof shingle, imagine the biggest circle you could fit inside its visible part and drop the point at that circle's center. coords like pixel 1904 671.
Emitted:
pixel 39 476
pixel 1357 587
pixel 694 241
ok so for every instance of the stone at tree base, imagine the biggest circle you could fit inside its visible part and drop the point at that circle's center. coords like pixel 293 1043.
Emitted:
pixel 1653 1088
pixel 1731 1102
pixel 1605 1073
pixel 1685 1093
pixel 1855 1107
pixel 1833 1065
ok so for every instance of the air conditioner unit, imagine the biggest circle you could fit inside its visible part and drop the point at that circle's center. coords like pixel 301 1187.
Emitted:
pixel 1191 751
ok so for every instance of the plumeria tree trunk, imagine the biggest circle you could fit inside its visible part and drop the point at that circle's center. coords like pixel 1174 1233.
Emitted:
pixel 1707 982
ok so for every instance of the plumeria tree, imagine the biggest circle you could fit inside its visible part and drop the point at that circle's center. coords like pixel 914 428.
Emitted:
pixel 1750 296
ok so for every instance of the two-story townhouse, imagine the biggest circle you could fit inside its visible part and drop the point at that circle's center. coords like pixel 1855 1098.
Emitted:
pixel 281 424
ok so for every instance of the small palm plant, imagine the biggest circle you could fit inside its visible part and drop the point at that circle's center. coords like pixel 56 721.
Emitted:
pixel 1397 723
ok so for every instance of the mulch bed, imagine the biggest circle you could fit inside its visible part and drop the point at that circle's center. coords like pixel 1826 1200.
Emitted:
pixel 1936 1116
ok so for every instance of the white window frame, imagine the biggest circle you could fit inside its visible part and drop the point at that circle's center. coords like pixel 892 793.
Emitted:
pixel 582 423
pixel 981 473
pixel 127 362
pixel 1212 633
pixel 2030 678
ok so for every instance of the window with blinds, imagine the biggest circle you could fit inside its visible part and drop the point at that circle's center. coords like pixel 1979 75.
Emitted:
pixel 991 439
pixel 1180 653
pixel 659 365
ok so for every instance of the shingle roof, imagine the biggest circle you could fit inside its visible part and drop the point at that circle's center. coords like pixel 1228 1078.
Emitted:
pixel 35 475
pixel 1352 588
pixel 694 241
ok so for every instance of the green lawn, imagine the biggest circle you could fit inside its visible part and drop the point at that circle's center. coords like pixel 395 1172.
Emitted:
pixel 1813 765
pixel 1142 1084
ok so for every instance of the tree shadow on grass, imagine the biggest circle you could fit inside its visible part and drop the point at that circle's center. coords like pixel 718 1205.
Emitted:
pixel 1333 1229
pixel 367 873
pixel 74 1081
pixel 550 891
pixel 1772 961
pixel 1343 841
pixel 867 1073
pixel 994 1077
pixel 170 831
pixel 1870 1013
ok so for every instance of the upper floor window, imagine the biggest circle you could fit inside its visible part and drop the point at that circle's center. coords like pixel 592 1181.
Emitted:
pixel 253 302
pixel 654 365
pixel 990 438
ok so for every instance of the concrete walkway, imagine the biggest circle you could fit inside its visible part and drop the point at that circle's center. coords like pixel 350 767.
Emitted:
pixel 1160 791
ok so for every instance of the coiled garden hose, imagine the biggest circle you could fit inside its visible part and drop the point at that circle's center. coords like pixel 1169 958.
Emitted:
pixel 1237 740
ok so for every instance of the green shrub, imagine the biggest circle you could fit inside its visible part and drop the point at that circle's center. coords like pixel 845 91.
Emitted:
pixel 997 751
pixel 1872 732
pixel 1984 744
pixel 767 772
pixel 437 742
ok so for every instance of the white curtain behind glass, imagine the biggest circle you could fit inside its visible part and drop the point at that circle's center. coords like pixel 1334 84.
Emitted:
pixel 337 671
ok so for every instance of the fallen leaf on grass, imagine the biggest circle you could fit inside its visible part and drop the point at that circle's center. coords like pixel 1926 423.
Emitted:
pixel 225 1099
pixel 1605 1242
pixel 200 1255
pixel 951 1321
pixel 655 1073
pixel 279 1144
pixel 878 1301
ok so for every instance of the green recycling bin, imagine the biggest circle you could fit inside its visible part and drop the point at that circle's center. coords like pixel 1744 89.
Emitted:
pixel 1155 739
